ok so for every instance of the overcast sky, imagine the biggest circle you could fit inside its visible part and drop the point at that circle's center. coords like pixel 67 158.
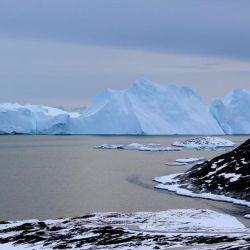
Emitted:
pixel 62 52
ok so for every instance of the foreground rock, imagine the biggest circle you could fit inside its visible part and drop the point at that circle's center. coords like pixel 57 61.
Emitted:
pixel 227 174
pixel 143 230
pixel 225 178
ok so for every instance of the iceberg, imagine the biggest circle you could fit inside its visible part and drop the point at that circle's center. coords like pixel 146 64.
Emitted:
pixel 33 119
pixel 146 108
pixel 232 112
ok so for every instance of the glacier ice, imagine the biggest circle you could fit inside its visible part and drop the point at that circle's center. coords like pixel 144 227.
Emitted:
pixel 232 112
pixel 143 108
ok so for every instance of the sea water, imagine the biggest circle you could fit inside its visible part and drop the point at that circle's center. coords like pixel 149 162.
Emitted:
pixel 64 176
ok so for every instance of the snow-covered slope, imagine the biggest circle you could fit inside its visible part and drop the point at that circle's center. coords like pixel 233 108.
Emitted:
pixel 232 112
pixel 172 229
pixel 146 108
pixel 224 178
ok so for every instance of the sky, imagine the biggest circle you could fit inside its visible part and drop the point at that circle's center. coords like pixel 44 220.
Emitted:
pixel 64 52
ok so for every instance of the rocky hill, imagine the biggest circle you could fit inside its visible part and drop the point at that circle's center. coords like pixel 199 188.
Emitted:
pixel 227 174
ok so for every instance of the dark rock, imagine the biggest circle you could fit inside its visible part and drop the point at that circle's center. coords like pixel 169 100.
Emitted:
pixel 227 174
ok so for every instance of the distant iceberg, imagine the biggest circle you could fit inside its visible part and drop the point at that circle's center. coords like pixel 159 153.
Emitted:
pixel 233 112
pixel 33 119
pixel 145 108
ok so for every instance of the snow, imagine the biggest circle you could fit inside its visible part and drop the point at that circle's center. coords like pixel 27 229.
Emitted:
pixel 232 112
pixel 138 146
pixel 232 176
pixel 170 183
pixel 204 143
pixel 143 108
pixel 170 228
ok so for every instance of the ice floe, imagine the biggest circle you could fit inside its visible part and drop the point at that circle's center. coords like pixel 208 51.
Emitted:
pixel 204 143
pixel 190 160
pixel 137 146
pixel 186 161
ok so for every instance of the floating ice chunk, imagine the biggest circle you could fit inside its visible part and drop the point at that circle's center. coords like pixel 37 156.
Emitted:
pixel 190 160
pixel 176 163
pixel 204 143
pixel 137 146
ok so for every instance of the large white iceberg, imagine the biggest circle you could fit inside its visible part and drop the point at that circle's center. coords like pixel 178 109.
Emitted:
pixel 143 108
pixel 146 108
pixel 232 112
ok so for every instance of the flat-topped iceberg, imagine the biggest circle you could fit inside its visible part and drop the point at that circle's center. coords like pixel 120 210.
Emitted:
pixel 33 119
pixel 232 112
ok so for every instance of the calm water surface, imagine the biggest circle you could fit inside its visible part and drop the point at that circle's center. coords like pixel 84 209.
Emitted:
pixel 61 176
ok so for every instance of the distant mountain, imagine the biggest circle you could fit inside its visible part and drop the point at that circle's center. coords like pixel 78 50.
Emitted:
pixel 143 108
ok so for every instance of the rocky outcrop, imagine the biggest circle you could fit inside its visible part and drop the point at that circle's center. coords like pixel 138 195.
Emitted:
pixel 227 174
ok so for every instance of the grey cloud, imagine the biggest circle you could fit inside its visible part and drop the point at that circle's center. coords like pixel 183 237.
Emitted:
pixel 209 27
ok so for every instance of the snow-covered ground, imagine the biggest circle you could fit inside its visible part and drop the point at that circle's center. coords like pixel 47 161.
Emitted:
pixel 201 228
pixel 170 183
pixel 204 143
pixel 138 146
pixel 224 178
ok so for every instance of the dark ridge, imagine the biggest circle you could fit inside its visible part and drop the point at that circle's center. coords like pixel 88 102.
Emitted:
pixel 227 174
